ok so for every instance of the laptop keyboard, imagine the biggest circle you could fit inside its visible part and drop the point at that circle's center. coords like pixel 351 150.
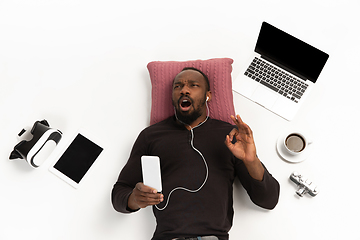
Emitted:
pixel 276 79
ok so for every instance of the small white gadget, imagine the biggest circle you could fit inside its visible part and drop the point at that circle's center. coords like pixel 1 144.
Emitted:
pixel 35 141
pixel 76 160
pixel 151 172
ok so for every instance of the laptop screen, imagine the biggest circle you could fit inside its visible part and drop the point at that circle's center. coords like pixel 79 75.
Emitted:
pixel 290 53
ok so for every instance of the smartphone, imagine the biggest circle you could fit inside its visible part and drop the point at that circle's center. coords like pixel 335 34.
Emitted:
pixel 151 172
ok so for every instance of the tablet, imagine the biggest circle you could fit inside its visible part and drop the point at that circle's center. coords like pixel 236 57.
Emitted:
pixel 76 160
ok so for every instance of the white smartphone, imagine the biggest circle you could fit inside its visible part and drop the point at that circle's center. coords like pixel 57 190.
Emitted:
pixel 151 172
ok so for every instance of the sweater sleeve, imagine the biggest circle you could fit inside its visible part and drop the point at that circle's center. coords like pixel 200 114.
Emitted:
pixel 129 176
pixel 263 193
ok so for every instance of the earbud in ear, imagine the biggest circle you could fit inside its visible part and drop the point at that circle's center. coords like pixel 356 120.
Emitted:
pixel 207 98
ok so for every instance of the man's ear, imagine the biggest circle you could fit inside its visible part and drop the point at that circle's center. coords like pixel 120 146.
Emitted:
pixel 208 96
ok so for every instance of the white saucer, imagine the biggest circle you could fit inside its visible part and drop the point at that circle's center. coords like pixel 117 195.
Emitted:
pixel 287 156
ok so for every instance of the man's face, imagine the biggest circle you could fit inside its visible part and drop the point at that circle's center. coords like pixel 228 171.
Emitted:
pixel 189 96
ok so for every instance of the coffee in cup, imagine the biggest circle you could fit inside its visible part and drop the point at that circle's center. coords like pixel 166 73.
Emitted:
pixel 295 143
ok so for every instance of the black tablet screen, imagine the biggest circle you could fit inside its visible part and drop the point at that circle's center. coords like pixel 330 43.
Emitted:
pixel 78 158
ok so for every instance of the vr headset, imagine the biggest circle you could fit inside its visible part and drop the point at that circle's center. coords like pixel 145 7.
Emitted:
pixel 28 150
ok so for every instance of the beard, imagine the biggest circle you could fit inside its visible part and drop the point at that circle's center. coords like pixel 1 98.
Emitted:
pixel 189 116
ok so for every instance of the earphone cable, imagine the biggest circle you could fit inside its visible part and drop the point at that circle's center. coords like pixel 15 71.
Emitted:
pixel 202 156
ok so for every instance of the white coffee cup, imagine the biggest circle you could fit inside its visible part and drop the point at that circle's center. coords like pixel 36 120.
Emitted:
pixel 296 143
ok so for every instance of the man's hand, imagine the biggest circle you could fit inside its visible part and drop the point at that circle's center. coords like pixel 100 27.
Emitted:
pixel 244 147
pixel 143 196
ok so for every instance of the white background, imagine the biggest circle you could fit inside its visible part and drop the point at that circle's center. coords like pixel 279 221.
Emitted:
pixel 82 64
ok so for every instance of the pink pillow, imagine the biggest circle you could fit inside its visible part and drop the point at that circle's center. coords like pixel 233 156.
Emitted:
pixel 217 70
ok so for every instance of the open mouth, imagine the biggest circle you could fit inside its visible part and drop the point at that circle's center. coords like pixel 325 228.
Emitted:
pixel 185 104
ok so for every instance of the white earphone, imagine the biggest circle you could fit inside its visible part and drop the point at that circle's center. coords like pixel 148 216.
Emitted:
pixel 202 156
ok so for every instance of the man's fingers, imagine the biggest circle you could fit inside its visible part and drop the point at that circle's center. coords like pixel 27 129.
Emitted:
pixel 150 199
pixel 232 133
pixel 242 127
pixel 146 189
pixel 233 119
pixel 237 120
pixel 228 141
pixel 147 192
pixel 248 129
pixel 146 196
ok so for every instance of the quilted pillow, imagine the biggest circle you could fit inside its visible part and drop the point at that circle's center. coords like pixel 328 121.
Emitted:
pixel 218 70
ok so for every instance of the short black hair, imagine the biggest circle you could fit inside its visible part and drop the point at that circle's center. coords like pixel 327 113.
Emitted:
pixel 203 74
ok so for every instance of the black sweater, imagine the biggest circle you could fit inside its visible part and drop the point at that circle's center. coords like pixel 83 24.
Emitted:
pixel 209 211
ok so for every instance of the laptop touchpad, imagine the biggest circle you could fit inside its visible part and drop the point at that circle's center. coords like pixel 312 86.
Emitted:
pixel 264 96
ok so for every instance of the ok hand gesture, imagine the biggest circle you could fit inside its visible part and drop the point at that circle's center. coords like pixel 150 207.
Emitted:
pixel 244 147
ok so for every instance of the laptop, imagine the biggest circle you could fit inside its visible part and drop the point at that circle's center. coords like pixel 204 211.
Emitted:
pixel 281 73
